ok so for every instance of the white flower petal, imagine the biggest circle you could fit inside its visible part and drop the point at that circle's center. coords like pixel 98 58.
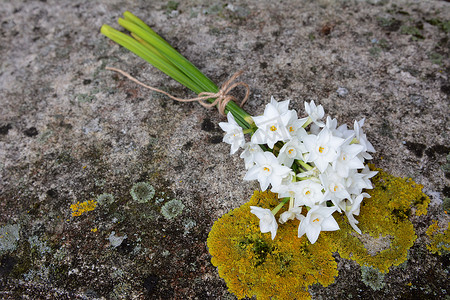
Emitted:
pixel 329 224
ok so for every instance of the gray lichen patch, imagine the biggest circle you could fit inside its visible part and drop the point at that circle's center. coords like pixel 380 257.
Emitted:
pixel 115 240
pixel 105 199
pixel 41 246
pixel 142 192
pixel 9 236
pixel 172 209
pixel 372 277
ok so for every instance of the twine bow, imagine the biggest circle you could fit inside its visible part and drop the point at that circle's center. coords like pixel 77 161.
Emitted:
pixel 221 98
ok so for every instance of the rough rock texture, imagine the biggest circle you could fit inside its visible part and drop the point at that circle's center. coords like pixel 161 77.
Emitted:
pixel 71 131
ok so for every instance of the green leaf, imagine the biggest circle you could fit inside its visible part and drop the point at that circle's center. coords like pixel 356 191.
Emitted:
pixel 140 50
pixel 177 59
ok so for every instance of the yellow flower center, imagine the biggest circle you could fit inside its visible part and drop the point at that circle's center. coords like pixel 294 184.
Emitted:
pixel 316 220
pixel 266 169
pixel 290 151
pixel 273 128
pixel 307 193
pixel 321 149
pixel 291 128
pixel 335 188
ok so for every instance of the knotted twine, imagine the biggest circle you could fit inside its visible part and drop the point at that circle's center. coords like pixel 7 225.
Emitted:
pixel 221 98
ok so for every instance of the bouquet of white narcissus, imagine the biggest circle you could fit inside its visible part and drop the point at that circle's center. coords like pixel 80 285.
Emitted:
pixel 321 170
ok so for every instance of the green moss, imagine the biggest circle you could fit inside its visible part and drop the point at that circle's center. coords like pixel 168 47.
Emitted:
pixel 435 58
pixel 25 262
pixel 442 25
pixel 85 98
pixel 414 31
pixel 389 24
pixel 172 209
pixel 172 5
pixel 372 277
pixel 142 192
pixel 375 51
pixel 383 44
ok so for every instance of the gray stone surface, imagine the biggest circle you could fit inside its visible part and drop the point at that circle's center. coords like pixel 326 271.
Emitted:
pixel 70 131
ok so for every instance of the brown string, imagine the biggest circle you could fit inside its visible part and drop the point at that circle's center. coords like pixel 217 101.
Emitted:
pixel 222 97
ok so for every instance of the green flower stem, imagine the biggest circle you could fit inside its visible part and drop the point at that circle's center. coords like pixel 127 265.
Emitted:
pixel 304 165
pixel 239 113
pixel 147 44
pixel 151 48
pixel 140 50
pixel 296 169
pixel 279 206
pixel 132 18
pixel 249 130
pixel 177 59
pixel 309 121
pixel 291 203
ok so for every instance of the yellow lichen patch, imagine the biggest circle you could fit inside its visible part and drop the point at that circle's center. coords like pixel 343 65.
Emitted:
pixel 384 216
pixel 439 241
pixel 400 194
pixel 253 264
pixel 80 208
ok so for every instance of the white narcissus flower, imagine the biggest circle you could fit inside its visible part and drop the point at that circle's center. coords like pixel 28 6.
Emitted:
pixel 295 212
pixel 319 218
pixel 315 113
pixel 355 182
pixel 282 106
pixel 366 175
pixel 295 126
pixel 234 134
pixel 267 170
pixel 290 151
pixel 267 221
pixel 308 192
pixel 305 192
pixel 362 139
pixel 284 190
pixel 345 132
pixel 352 208
pixel 249 154
pixel 272 124
pixel 323 148
pixel 331 124
pixel 285 181
pixel 335 187
pixel 348 158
